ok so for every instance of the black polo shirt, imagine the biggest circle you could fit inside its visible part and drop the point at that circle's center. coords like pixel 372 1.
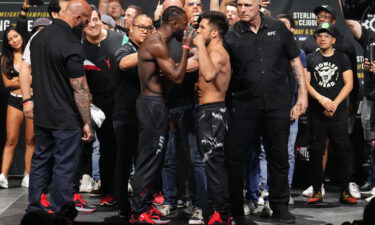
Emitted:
pixel 127 84
pixel 261 63
pixel 56 56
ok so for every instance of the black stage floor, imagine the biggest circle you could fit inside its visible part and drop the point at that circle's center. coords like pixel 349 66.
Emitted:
pixel 13 202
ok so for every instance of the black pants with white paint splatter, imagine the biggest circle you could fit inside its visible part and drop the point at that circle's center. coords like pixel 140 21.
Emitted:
pixel 212 128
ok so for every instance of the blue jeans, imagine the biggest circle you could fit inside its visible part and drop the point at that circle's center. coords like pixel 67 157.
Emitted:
pixel 252 173
pixel 291 147
pixel 183 131
pixel 64 146
pixel 95 159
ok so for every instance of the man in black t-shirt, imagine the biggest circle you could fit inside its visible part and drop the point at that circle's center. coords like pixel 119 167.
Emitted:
pixel 125 123
pixel 61 105
pixel 329 81
pixel 325 13
pixel 100 67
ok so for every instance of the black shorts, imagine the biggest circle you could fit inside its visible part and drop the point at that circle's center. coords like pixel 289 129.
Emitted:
pixel 15 102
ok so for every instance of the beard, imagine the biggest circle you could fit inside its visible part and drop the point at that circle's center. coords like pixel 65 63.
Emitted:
pixel 179 35
pixel 208 41
pixel 78 31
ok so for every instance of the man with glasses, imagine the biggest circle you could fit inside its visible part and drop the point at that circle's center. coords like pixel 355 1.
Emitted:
pixel 326 13
pixel 329 81
pixel 100 67
pixel 127 89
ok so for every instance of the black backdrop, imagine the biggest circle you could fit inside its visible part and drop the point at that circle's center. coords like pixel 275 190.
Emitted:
pixel 300 10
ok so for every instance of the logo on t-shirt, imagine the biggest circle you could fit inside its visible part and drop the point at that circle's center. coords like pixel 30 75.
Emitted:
pixel 328 75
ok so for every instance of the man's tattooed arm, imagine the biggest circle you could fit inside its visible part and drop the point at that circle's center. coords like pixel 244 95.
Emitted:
pixel 299 75
pixel 82 98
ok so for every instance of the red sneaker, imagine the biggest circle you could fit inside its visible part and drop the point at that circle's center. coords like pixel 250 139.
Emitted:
pixel 158 199
pixel 107 200
pixel 347 198
pixel 45 203
pixel 316 198
pixel 215 219
pixel 144 218
pixel 82 205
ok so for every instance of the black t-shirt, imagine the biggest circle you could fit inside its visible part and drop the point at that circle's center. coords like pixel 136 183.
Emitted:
pixel 327 77
pixel 261 63
pixel 101 68
pixel 179 94
pixel 367 39
pixel 56 56
pixel 127 82
pixel 344 45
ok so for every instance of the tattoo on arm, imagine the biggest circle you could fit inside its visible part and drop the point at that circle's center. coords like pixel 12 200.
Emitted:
pixel 82 98
pixel 298 73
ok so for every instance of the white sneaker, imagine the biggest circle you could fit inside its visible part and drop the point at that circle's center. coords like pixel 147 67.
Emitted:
pixel 370 198
pixel 291 200
pixel 87 184
pixel 168 210
pixel 197 217
pixel 3 181
pixel 249 208
pixel 309 191
pixel 263 194
pixel 25 180
pixel 354 190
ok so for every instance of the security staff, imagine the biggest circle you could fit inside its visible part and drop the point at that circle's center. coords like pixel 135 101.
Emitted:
pixel 262 53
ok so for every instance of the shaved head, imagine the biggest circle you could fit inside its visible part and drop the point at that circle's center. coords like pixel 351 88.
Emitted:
pixel 78 8
pixel 168 3
pixel 77 14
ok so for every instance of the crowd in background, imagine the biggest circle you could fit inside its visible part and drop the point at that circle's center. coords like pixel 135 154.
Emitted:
pixel 106 158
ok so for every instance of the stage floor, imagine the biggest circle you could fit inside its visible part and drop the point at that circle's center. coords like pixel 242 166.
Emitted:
pixel 13 202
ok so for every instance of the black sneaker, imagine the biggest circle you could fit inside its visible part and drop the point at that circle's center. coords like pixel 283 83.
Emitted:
pixel 125 214
pixel 286 217
pixel 366 188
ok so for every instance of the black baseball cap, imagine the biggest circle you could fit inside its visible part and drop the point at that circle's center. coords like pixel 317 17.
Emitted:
pixel 327 8
pixel 326 27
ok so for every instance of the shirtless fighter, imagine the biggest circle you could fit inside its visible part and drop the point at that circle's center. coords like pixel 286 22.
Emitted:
pixel 153 58
pixel 214 76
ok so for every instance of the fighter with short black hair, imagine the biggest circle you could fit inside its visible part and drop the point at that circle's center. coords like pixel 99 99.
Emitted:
pixel 212 118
